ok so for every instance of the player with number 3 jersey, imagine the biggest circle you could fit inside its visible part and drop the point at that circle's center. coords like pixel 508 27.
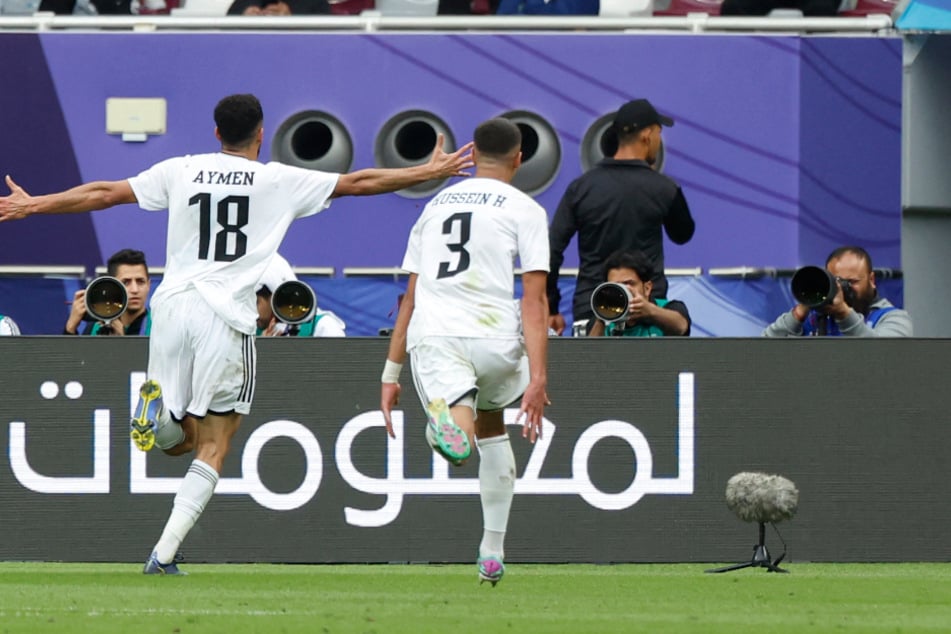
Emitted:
pixel 464 331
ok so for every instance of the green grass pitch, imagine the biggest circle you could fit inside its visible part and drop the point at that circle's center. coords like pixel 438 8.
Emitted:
pixel 393 599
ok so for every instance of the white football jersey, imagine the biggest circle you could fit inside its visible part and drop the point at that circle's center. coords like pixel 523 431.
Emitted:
pixel 463 249
pixel 227 216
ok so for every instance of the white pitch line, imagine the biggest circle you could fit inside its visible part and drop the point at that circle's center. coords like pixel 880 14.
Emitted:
pixel 33 611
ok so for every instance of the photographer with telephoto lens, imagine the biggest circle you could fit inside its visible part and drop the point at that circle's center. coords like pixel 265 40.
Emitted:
pixel 841 300
pixel 102 315
pixel 623 306
pixel 288 307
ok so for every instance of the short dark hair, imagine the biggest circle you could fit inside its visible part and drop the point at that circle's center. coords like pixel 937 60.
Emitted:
pixel 634 260
pixel 125 256
pixel 858 252
pixel 238 118
pixel 497 138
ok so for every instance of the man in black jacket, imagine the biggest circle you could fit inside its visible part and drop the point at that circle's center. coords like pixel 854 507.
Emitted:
pixel 620 204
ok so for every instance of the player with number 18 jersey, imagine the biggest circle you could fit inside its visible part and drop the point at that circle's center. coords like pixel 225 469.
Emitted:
pixel 227 216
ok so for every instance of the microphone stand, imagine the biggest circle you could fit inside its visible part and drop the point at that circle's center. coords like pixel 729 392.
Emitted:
pixel 760 558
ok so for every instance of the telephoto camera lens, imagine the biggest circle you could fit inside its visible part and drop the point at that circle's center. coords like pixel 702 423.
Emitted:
pixel 106 299
pixel 293 302
pixel 611 301
pixel 814 287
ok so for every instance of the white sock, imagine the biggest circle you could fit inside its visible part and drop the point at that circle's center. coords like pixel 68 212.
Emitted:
pixel 168 433
pixel 496 489
pixel 192 497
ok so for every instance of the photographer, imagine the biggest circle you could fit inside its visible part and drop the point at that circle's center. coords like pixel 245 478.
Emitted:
pixel 646 317
pixel 323 323
pixel 855 310
pixel 623 202
pixel 129 267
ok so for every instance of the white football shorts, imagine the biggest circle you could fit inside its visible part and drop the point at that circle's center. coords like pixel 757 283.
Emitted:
pixel 494 371
pixel 201 362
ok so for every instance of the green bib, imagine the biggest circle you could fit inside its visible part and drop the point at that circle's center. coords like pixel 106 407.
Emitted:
pixel 638 329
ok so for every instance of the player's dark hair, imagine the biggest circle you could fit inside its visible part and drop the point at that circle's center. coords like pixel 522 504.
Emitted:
pixel 238 118
pixel 858 252
pixel 633 260
pixel 497 138
pixel 129 257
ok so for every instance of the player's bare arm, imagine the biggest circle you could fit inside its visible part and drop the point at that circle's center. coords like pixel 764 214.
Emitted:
pixel 396 355
pixel 381 180
pixel 87 197
pixel 535 329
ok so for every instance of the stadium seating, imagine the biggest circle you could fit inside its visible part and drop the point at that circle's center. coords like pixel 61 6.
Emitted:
pixel 19 7
pixel 416 8
pixel 350 7
pixel 868 7
pixel 684 7
pixel 626 8
pixel 202 8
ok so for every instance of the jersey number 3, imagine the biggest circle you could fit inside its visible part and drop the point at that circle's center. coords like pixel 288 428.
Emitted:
pixel 225 250
pixel 465 224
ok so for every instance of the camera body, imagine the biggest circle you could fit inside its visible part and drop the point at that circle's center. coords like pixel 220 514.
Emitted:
pixel 815 287
pixel 611 302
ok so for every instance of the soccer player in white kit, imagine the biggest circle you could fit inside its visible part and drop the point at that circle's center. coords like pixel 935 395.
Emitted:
pixel 228 213
pixel 472 354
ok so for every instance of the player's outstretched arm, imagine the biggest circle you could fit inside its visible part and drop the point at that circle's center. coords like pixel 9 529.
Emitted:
pixel 381 180
pixel 396 355
pixel 535 329
pixel 88 197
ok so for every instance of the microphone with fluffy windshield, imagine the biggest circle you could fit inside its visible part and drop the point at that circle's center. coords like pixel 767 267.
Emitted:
pixel 765 499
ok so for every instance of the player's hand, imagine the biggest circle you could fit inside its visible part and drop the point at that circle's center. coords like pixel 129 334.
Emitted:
pixel 14 206
pixel 533 409
pixel 557 323
pixel 389 398
pixel 446 165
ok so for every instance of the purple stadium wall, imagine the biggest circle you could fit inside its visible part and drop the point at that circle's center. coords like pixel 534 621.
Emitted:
pixel 785 146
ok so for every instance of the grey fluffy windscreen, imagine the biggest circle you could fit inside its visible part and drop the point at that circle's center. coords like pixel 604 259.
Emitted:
pixel 762 497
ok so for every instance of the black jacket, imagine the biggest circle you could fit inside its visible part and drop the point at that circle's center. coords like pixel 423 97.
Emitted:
pixel 618 204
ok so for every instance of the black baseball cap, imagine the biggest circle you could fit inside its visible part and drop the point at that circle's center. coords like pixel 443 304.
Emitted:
pixel 638 114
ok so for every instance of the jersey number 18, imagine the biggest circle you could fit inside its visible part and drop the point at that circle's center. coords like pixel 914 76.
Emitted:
pixel 224 252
